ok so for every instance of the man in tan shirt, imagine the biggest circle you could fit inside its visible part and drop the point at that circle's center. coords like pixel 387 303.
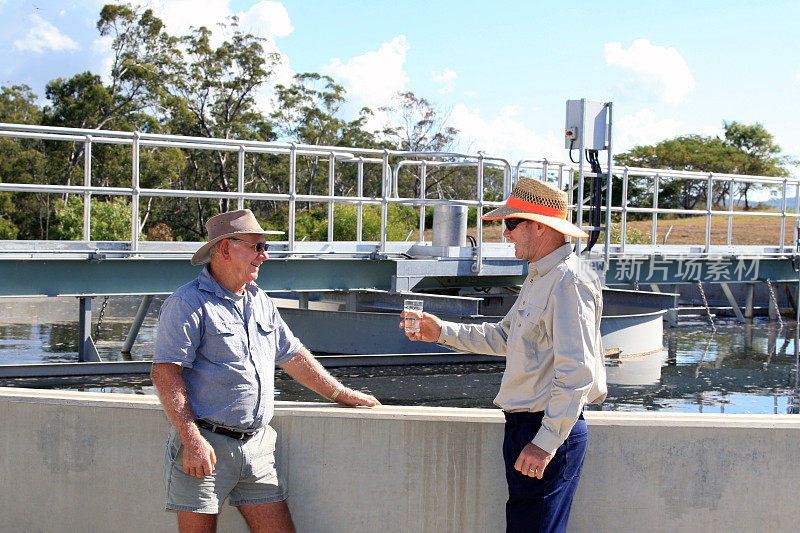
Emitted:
pixel 554 357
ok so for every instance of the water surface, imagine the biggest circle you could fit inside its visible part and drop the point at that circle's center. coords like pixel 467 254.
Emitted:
pixel 750 368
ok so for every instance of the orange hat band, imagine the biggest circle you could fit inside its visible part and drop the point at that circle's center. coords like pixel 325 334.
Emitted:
pixel 538 209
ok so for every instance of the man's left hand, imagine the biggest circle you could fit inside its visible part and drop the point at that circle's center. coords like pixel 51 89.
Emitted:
pixel 354 398
pixel 532 461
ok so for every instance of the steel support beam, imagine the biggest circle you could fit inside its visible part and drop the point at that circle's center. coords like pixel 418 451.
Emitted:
pixel 732 301
pixel 87 351
pixel 137 323
pixel 748 302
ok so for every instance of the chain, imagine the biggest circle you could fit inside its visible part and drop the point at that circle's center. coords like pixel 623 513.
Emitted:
pixel 774 302
pixel 708 309
pixel 100 319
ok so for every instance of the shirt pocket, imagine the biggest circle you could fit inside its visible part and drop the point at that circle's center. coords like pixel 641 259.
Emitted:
pixel 530 327
pixel 265 324
pixel 225 341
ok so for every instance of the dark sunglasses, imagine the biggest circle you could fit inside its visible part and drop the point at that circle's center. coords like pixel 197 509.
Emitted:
pixel 512 223
pixel 259 247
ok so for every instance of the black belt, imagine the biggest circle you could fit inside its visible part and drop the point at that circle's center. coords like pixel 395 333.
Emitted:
pixel 232 433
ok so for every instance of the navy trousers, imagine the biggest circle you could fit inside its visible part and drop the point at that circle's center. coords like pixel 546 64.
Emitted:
pixel 541 505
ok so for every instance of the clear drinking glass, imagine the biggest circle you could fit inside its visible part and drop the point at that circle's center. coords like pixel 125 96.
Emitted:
pixel 412 306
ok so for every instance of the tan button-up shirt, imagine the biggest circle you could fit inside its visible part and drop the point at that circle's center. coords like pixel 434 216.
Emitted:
pixel 551 340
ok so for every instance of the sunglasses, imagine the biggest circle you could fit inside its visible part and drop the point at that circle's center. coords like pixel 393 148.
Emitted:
pixel 512 223
pixel 259 247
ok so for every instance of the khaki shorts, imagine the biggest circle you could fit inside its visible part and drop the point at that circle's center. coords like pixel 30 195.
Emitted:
pixel 245 472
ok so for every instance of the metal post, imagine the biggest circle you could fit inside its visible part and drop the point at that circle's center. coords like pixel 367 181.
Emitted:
pixel 654 231
pixel 135 194
pixel 141 313
pixel 240 200
pixel 478 264
pixel 87 182
pixel 748 301
pixel 386 176
pixel 331 170
pixel 623 231
pixel 560 177
pixel 581 146
pixel 86 348
pixel 360 210
pixel 783 216
pixel 609 181
pixel 292 194
pixel 709 202
pixel 730 208
pixel 423 178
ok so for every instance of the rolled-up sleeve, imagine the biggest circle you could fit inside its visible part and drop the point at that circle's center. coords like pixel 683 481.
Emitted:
pixel 574 340
pixel 179 332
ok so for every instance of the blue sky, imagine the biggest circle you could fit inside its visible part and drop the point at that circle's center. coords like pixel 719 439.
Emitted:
pixel 502 70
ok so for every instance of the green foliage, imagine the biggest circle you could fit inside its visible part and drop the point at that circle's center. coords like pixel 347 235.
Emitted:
pixel 18 105
pixel 632 235
pixel 312 224
pixel 745 149
pixel 110 221
pixel 7 229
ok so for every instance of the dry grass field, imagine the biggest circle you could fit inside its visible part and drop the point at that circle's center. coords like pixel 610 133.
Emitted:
pixel 747 230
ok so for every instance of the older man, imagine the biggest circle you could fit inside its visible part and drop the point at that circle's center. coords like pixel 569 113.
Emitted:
pixel 554 358
pixel 219 339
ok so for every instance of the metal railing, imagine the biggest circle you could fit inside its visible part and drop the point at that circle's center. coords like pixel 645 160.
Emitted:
pixel 389 191
pixel 564 176
pixel 390 164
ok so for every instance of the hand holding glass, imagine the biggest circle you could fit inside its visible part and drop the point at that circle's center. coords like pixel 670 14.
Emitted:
pixel 415 307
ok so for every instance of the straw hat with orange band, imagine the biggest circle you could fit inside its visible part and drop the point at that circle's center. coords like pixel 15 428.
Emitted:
pixel 538 201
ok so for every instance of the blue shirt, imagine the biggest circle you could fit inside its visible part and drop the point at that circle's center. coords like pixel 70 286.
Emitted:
pixel 228 354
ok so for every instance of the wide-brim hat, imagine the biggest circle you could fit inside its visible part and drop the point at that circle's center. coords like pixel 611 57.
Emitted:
pixel 541 202
pixel 227 225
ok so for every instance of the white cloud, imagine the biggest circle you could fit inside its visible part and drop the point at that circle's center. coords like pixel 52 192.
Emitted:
pixel 373 78
pixel 44 36
pixel 446 79
pixel 643 128
pixel 444 76
pixel 267 18
pixel 180 15
pixel 505 135
pixel 797 78
pixel 656 69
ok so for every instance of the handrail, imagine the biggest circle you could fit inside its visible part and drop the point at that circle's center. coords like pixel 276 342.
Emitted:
pixel 391 162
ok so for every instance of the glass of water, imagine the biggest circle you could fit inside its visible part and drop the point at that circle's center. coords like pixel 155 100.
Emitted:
pixel 415 307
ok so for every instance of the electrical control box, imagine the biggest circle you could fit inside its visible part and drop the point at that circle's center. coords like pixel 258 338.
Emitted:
pixel 595 122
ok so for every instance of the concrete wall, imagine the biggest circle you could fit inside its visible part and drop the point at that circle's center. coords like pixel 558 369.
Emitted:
pixel 76 461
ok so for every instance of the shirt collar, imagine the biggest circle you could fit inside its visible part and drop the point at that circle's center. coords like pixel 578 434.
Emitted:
pixel 209 284
pixel 548 262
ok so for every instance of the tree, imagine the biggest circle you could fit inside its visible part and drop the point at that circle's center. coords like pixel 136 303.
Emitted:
pixel 744 150
pixel 140 48
pixel 309 112
pixel 211 92
pixel 22 161
pixel 413 124
pixel 757 152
